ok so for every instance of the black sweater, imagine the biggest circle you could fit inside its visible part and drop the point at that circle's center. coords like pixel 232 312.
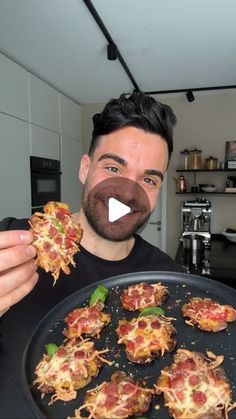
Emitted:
pixel 19 322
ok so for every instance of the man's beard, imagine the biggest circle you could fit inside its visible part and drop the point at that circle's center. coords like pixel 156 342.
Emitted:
pixel 95 207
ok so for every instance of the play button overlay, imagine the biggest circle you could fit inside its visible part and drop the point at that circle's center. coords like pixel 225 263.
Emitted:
pixel 116 209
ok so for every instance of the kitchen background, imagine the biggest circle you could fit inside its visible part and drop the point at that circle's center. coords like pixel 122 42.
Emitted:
pixel 44 115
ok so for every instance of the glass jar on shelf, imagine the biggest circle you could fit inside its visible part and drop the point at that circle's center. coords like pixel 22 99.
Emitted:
pixel 211 163
pixel 195 159
pixel 185 153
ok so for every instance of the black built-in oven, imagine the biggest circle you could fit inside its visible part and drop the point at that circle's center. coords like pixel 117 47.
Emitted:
pixel 45 181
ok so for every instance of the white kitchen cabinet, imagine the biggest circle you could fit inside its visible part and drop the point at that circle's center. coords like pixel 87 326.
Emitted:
pixel 13 89
pixel 70 118
pixel 71 152
pixel 44 104
pixel 45 143
pixel 15 186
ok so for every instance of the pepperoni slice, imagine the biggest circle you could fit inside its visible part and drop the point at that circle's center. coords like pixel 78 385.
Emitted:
pixel 130 346
pixel 142 324
pixel 68 243
pixel 52 231
pixel 82 321
pixel 73 316
pixel 147 300
pixel 93 317
pixel 134 293
pixel 199 398
pixel 110 389
pixel 58 239
pixel 139 339
pixel 52 255
pixel 60 214
pixel 127 298
pixel 65 366
pixel 177 381
pixel 111 401
pixel 155 324
pixel 79 354
pixel 194 380
pixel 47 246
pixel 61 352
pixel 188 365
pixel 180 395
pixel 147 291
pixel 125 328
pixel 71 232
pixel 128 388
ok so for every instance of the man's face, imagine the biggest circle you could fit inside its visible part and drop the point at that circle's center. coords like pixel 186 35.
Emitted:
pixel 127 165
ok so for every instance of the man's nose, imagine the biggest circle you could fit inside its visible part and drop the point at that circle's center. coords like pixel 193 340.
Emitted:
pixel 129 192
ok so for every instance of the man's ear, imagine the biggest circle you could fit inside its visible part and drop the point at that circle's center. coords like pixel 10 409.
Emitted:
pixel 84 168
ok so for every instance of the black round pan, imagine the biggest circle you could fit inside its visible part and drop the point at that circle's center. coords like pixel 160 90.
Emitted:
pixel 181 288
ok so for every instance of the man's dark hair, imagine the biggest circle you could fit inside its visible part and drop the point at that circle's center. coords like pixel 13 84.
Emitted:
pixel 136 110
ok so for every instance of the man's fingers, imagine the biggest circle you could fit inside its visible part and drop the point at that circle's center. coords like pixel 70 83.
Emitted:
pixel 19 293
pixel 15 237
pixel 14 256
pixel 14 278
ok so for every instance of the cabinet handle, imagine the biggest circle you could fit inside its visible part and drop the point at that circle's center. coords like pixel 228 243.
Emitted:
pixel 156 223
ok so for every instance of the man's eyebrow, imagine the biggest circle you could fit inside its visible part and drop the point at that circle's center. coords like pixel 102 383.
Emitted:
pixel 155 173
pixel 120 160
pixel 113 157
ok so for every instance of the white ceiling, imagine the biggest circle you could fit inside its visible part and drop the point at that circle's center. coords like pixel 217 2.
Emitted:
pixel 167 44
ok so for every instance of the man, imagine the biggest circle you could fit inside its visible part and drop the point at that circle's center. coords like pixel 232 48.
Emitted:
pixel 129 154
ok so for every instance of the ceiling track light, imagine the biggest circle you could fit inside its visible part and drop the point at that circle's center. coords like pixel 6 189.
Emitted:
pixel 190 96
pixel 111 52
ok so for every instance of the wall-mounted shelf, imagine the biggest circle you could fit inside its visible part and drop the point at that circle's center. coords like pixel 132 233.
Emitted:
pixel 195 171
pixel 205 193
pixel 205 170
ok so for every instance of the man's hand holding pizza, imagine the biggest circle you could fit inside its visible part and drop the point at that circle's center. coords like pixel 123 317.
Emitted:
pixel 18 273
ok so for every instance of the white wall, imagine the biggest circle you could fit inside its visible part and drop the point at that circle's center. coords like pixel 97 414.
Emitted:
pixel 88 111
pixel 206 123
pixel 35 119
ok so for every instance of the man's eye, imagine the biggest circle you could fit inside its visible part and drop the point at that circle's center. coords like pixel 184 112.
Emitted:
pixel 150 181
pixel 112 169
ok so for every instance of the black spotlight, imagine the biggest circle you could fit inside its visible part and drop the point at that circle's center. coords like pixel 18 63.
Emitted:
pixel 111 52
pixel 190 96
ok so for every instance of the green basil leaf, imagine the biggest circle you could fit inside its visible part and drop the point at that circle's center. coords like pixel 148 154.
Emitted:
pixel 156 311
pixel 61 228
pixel 99 294
pixel 51 348
pixel 54 220
pixel 58 224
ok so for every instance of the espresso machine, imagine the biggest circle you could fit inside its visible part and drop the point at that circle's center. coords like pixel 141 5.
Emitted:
pixel 196 235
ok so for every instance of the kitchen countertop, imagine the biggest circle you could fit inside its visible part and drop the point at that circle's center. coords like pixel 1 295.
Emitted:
pixel 222 257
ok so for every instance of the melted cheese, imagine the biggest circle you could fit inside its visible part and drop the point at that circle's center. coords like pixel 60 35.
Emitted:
pixel 217 394
pixel 154 298
pixel 154 340
pixel 52 373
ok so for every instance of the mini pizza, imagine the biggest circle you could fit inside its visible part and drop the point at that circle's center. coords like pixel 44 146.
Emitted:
pixel 208 314
pixel 195 387
pixel 56 237
pixel 71 367
pixel 120 398
pixel 140 296
pixel 146 337
pixel 88 320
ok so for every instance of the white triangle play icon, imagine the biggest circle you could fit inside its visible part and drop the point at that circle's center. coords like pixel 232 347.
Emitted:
pixel 116 209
